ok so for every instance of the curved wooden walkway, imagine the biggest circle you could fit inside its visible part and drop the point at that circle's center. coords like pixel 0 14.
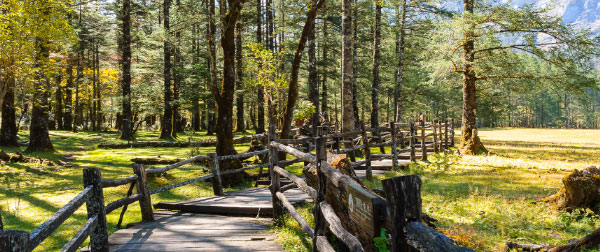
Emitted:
pixel 189 232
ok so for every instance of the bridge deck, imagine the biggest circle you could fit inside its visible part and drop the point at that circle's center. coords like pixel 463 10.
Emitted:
pixel 246 202
pixel 190 232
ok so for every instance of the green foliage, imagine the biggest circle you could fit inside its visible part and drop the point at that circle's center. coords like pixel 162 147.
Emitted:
pixel 383 242
pixel 304 110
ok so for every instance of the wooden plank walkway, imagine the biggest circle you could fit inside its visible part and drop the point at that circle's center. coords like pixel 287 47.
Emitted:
pixel 246 202
pixel 189 232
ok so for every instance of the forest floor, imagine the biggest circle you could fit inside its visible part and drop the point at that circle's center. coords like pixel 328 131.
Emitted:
pixel 484 201
pixel 481 201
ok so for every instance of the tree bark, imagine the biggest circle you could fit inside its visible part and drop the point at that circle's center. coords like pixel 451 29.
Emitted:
pixel 39 138
pixel 212 64
pixel 313 84
pixel 167 119
pixel 68 116
pixel 324 107
pixel 125 75
pixel 178 67
pixel 240 125
pixel 58 108
pixel 99 115
pixel 470 142
pixel 354 64
pixel 401 23
pixel 347 67
pixel 8 132
pixel 261 94
pixel 224 96
pixel 309 26
pixel 376 56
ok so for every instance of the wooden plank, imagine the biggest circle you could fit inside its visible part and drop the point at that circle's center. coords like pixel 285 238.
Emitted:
pixel 248 202
pixel 196 232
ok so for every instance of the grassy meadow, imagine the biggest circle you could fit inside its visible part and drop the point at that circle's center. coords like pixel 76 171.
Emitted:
pixel 484 201
pixel 480 201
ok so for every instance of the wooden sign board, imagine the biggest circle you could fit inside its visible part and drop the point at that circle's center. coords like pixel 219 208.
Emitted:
pixel 365 209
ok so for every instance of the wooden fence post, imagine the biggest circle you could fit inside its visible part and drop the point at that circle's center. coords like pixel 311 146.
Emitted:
pixel 441 137
pixel 216 181
pixel 337 144
pixel 404 200
pixel 378 134
pixel 413 141
pixel 321 155
pixel 365 140
pixel 452 133
pixel 14 241
pixel 393 149
pixel 95 206
pixel 306 145
pixel 275 181
pixel 423 143
pixel 1 225
pixel 446 135
pixel 142 188
pixel 435 136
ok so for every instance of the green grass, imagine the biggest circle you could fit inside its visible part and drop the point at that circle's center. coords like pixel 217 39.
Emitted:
pixel 484 201
pixel 30 193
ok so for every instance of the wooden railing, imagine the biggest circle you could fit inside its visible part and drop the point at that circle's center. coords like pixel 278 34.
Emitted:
pixel 323 211
pixel 92 195
pixel 95 227
pixel 403 202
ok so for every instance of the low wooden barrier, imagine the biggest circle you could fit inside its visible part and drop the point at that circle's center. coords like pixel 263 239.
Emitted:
pixel 92 195
pixel 400 213
pixel 95 227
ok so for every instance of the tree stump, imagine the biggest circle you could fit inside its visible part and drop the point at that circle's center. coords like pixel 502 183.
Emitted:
pixel 581 190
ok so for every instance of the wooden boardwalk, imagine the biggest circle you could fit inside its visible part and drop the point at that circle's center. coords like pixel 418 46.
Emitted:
pixel 247 202
pixel 234 222
pixel 189 232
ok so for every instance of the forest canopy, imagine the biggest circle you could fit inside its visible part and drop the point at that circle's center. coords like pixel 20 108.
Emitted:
pixel 224 66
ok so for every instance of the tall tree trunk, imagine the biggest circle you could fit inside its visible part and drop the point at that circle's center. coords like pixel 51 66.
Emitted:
pixel 178 63
pixel 39 138
pixel 375 84
pixel 99 115
pixel 212 64
pixel 125 75
pixel 196 113
pixel 355 65
pixel 92 95
pixel 224 96
pixel 167 120
pixel 401 23
pixel 309 26
pixel 261 93
pixel 240 125
pixel 347 67
pixel 8 132
pixel 470 142
pixel 58 103
pixel 68 117
pixel 325 71
pixel 313 84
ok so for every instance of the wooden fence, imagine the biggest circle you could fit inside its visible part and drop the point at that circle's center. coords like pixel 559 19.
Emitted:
pixel 92 195
pixel 404 135
pixel 400 212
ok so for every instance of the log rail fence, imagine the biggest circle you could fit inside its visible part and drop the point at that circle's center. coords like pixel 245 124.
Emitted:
pixel 400 137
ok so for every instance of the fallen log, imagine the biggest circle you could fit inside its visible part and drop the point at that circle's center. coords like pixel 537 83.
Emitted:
pixel 155 161
pixel 20 158
pixel 202 143
pixel 581 190
pixel 589 242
